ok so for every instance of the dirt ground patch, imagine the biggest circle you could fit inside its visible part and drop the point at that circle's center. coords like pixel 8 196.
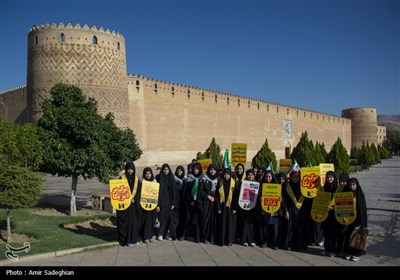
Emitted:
pixel 103 229
pixel 64 211
pixel 15 238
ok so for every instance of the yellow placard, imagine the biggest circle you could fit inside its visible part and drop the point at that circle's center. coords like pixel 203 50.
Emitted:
pixel 324 168
pixel 320 206
pixel 310 181
pixel 238 154
pixel 149 195
pixel 271 197
pixel 205 163
pixel 345 209
pixel 284 164
pixel 120 194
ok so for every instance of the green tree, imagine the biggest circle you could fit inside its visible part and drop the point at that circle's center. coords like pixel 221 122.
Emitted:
pixel 383 153
pixel 392 141
pixel 78 141
pixel 304 151
pixel 375 153
pixel 21 145
pixel 213 152
pixel 264 157
pixel 19 186
pixel 354 153
pixel 20 154
pixel 366 158
pixel 339 157
pixel 320 152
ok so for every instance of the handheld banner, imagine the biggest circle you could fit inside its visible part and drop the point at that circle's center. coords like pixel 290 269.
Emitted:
pixel 324 168
pixel 238 154
pixel 205 163
pixel 271 197
pixel 310 181
pixel 149 195
pixel 345 209
pixel 284 164
pixel 120 194
pixel 320 206
pixel 248 194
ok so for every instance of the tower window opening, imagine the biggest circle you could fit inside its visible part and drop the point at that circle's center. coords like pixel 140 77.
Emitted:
pixel 202 96
pixel 248 104
pixel 94 41
pixel 188 94
pixel 62 37
pixel 216 99
pixel 36 40
pixel 118 46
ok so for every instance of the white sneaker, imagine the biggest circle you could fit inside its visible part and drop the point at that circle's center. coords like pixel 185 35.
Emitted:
pixel 355 259
pixel 253 244
pixel 332 254
pixel 160 238
pixel 348 257
pixel 246 244
pixel 131 245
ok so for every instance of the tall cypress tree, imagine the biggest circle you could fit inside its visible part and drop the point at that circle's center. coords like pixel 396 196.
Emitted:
pixel 339 157
pixel 213 152
pixel 264 157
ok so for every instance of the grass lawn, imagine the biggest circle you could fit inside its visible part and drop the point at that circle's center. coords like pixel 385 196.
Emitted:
pixel 47 233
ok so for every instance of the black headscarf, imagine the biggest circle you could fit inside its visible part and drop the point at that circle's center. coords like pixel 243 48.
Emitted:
pixel 212 166
pixel 281 175
pixel 180 167
pixel 145 170
pixel 343 177
pixel 274 180
pixel 296 187
pixel 330 187
pixel 131 178
pixel 362 217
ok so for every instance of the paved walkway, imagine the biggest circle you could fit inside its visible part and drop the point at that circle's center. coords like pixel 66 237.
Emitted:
pixel 381 185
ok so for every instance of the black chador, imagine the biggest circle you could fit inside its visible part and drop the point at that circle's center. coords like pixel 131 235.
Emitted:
pixel 147 218
pixel 206 204
pixel 227 205
pixel 190 200
pixel 180 180
pixel 330 226
pixel 247 218
pixel 168 202
pixel 128 219
pixel 293 203
pixel 361 218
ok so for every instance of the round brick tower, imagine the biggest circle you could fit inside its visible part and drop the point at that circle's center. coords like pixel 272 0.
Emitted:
pixel 364 125
pixel 92 59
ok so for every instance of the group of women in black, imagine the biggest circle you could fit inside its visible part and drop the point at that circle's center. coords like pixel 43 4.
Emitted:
pixel 204 208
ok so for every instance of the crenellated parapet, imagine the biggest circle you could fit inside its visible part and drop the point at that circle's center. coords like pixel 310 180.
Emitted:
pixel 232 101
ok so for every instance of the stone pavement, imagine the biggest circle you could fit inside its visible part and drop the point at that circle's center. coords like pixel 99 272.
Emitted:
pixel 382 191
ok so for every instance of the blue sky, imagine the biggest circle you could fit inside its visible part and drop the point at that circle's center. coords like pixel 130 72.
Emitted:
pixel 318 55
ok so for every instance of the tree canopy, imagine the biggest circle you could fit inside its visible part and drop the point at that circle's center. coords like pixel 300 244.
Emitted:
pixel 78 141
pixel 264 157
pixel 213 152
pixel 20 156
